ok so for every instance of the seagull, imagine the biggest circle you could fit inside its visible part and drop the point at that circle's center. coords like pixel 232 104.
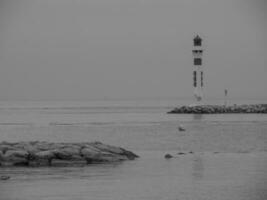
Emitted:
pixel 181 128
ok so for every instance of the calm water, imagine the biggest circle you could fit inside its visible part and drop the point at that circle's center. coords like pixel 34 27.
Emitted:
pixel 229 160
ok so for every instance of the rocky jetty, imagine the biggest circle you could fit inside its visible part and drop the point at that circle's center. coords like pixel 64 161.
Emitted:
pixel 220 109
pixel 60 154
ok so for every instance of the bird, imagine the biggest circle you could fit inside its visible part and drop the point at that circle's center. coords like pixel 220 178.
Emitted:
pixel 181 128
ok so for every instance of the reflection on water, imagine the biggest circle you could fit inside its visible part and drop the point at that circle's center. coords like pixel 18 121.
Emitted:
pixel 198 168
pixel 195 177
pixel 198 116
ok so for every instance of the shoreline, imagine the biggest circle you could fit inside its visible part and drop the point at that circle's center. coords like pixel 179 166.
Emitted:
pixel 221 109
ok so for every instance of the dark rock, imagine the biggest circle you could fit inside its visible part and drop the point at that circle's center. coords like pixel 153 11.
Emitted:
pixel 168 156
pixel 95 155
pixel 5 147
pixel 42 158
pixel 181 153
pixel 90 154
pixel 15 158
pixel 68 153
pixel 1 156
pixel 114 150
pixel 107 148
pixel 45 155
pixel 65 163
pixel 4 178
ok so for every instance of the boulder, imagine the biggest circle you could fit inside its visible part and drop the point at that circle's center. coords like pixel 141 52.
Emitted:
pixel 41 158
pixel 114 150
pixel 45 155
pixel 94 155
pixel 68 153
pixel 15 158
pixel 107 148
pixel 6 147
pixel 91 155
pixel 4 178
pixel 1 157
pixel 168 156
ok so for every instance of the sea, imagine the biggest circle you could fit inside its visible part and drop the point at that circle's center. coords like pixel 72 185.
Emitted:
pixel 217 157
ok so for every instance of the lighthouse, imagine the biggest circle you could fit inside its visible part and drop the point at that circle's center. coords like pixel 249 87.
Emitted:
pixel 198 74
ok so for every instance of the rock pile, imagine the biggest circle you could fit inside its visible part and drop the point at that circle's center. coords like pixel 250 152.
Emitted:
pixel 53 154
pixel 219 109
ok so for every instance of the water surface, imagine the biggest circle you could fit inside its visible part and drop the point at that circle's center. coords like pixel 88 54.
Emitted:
pixel 229 159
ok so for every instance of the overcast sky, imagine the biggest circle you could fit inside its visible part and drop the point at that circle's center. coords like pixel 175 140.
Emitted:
pixel 94 49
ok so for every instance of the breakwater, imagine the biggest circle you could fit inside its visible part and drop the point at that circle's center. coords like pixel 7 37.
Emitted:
pixel 219 109
pixel 60 154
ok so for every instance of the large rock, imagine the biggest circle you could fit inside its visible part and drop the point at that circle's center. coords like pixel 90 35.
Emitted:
pixel 51 154
pixel 68 153
pixel 114 150
pixel 93 155
pixel 45 155
pixel 41 158
pixel 1 157
pixel 5 147
pixel 15 158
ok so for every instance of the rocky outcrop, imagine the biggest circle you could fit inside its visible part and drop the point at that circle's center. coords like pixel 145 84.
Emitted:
pixel 220 109
pixel 53 154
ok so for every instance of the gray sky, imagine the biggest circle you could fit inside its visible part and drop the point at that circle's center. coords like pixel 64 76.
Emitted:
pixel 93 49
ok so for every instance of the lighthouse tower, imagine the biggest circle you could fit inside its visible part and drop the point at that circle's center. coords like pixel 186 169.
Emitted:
pixel 198 68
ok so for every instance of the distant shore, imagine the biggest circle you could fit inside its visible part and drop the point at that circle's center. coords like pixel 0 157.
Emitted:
pixel 220 109
pixel 37 153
